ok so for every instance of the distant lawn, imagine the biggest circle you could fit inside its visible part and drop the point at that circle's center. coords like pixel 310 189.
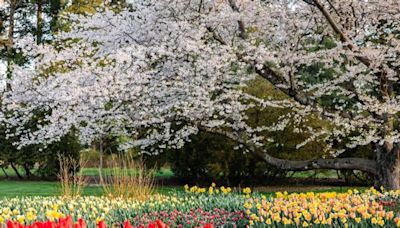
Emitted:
pixel 166 172
pixel 37 188
pixel 44 188
pixel 314 174
pixel 161 173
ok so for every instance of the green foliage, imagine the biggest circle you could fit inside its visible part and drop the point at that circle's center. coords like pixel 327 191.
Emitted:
pixel 212 157
pixel 286 140
pixel 35 159
pixel 49 165
pixel 86 7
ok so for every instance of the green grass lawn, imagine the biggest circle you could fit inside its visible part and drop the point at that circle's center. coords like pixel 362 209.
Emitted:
pixel 43 188
pixel 314 174
pixel 161 173
pixel 166 172
pixel 37 188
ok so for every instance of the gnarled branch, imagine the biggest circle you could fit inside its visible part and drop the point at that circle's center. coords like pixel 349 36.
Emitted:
pixel 361 164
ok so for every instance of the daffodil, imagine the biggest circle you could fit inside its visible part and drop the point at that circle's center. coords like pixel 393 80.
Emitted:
pixel 247 190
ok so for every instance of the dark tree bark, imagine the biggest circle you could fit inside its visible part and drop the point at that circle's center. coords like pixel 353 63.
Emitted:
pixel 361 164
pixel 101 158
pixel 10 43
pixel 28 172
pixel 15 170
pixel 39 22
pixel 5 173
pixel 388 169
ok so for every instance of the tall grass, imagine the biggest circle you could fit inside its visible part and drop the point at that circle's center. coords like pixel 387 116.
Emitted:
pixel 128 178
pixel 70 176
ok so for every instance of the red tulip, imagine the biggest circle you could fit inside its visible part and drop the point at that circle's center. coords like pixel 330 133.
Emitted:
pixel 37 225
pixel 101 224
pixel 48 224
pixel 81 223
pixel 210 225
pixel 11 224
pixel 64 222
pixel 127 224
pixel 160 224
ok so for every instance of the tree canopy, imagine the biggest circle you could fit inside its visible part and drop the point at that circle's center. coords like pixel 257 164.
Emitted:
pixel 160 71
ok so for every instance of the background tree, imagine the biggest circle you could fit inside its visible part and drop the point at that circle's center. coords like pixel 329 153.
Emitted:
pixel 39 20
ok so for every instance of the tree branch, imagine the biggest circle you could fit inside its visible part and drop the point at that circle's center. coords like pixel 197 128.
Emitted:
pixel 275 78
pixel 216 36
pixel 242 26
pixel 361 164
pixel 343 36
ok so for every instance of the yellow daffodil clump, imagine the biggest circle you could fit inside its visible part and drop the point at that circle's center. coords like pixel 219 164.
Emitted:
pixel 325 209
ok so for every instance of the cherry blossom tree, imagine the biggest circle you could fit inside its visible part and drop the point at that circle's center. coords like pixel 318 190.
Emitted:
pixel 160 71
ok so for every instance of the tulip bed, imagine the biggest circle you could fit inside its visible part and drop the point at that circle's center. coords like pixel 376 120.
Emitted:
pixel 207 207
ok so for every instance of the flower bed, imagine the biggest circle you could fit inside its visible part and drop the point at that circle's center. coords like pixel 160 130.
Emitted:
pixel 209 207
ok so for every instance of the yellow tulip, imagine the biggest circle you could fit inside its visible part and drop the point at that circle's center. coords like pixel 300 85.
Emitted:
pixel 357 219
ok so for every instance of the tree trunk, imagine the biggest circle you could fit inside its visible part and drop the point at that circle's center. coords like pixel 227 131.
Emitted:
pixel 101 155
pixel 5 173
pixel 388 160
pixel 15 170
pixel 39 21
pixel 28 172
pixel 10 42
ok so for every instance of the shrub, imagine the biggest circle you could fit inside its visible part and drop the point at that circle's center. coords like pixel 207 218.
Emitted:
pixel 37 159
pixel 47 159
pixel 212 157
